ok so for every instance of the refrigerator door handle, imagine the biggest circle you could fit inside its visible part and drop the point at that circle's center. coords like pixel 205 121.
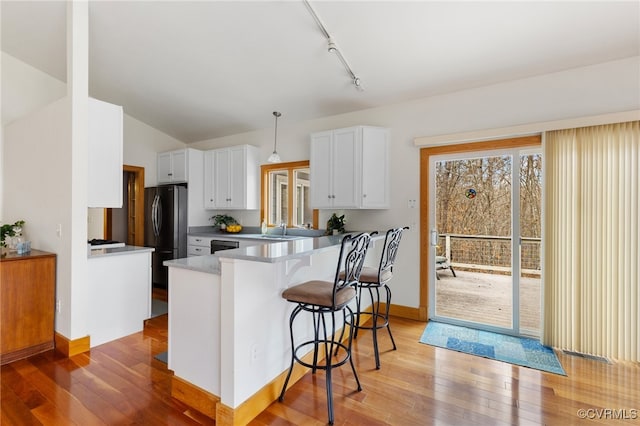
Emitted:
pixel 159 216
pixel 154 215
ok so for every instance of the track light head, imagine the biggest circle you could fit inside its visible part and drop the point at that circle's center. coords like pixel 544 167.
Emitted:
pixel 331 47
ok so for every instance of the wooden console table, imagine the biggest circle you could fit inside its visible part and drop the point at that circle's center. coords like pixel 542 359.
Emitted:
pixel 27 304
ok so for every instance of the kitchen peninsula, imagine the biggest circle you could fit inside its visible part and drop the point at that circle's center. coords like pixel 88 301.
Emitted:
pixel 229 343
pixel 120 292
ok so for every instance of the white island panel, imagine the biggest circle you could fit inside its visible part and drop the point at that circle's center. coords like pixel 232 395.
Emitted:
pixel 119 293
pixel 255 337
pixel 194 327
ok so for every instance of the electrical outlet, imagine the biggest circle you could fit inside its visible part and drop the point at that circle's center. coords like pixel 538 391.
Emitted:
pixel 411 204
pixel 255 351
pixel 59 230
pixel 58 306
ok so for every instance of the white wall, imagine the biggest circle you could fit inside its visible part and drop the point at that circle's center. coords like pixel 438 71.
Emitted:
pixel 37 188
pixel 26 89
pixel 141 144
pixel 598 89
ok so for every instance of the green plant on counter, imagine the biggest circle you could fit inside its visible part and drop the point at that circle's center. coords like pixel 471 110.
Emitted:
pixel 223 219
pixel 8 230
pixel 335 222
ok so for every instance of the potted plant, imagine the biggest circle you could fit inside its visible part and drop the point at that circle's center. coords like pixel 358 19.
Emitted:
pixel 335 224
pixel 8 230
pixel 223 221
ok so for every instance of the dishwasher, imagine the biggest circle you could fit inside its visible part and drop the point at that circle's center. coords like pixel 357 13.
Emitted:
pixel 218 245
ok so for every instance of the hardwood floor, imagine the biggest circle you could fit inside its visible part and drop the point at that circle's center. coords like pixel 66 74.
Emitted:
pixel 121 383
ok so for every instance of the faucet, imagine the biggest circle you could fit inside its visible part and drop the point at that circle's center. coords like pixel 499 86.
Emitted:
pixel 283 225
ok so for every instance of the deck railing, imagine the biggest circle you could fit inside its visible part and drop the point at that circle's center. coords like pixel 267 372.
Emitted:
pixel 490 253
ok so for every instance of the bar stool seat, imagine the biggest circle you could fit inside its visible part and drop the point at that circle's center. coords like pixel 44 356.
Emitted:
pixel 373 280
pixel 325 298
pixel 319 293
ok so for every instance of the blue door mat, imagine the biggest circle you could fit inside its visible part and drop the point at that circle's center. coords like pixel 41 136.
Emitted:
pixel 514 350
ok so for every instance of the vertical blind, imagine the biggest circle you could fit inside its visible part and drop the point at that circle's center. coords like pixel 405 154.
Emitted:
pixel 591 234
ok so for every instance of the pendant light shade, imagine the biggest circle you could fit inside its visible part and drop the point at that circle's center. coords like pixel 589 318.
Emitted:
pixel 274 157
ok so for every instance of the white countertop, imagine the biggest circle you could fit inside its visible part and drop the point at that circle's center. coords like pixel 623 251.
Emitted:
pixel 266 253
pixel 117 251
pixel 208 263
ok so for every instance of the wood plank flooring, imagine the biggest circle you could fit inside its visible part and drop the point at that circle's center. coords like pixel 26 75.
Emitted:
pixel 121 383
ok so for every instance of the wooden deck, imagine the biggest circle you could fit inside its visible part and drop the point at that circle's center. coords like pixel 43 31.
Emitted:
pixel 486 298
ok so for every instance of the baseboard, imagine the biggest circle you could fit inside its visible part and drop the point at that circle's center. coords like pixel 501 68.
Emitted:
pixel 9 357
pixel 260 400
pixel 195 397
pixel 70 348
pixel 224 415
pixel 417 314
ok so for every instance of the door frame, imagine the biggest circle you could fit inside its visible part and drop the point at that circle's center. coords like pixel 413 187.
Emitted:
pixel 425 235
pixel 138 195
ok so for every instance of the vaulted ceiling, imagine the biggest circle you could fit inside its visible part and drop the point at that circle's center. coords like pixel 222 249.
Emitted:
pixel 205 69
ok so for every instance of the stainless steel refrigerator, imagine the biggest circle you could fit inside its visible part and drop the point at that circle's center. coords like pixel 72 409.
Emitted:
pixel 165 227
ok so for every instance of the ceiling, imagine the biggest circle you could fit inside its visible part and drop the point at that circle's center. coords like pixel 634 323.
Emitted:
pixel 206 69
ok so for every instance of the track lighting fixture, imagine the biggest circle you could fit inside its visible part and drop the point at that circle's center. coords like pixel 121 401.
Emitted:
pixel 332 47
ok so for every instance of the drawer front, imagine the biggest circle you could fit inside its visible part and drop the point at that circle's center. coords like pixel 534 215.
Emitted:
pixel 198 250
pixel 193 240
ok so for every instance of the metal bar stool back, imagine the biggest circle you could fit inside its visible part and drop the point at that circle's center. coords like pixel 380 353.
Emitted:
pixel 326 298
pixel 373 280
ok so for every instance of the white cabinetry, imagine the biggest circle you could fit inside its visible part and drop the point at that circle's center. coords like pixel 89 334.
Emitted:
pixel 172 166
pixel 186 165
pixel 105 155
pixel 350 168
pixel 231 178
pixel 198 246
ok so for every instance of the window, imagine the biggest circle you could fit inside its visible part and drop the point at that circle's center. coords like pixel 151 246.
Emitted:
pixel 285 195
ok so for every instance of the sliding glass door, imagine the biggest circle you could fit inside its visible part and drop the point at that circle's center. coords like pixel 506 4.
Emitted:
pixel 480 201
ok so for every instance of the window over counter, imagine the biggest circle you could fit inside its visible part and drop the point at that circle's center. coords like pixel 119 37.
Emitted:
pixel 285 195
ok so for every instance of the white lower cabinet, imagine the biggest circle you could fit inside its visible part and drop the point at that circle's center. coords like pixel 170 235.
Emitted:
pixel 350 168
pixel 198 246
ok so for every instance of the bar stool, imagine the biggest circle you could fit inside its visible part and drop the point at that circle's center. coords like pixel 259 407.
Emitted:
pixel 325 298
pixel 373 280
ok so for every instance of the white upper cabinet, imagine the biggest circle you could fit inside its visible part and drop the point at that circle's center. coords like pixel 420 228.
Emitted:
pixel 105 155
pixel 186 166
pixel 172 166
pixel 231 178
pixel 350 169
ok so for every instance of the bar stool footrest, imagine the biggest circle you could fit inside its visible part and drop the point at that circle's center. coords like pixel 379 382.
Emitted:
pixel 321 343
pixel 375 323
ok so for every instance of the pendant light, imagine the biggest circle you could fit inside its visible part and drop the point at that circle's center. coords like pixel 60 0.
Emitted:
pixel 274 157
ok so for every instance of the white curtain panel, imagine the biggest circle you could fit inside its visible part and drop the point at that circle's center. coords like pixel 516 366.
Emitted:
pixel 591 234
